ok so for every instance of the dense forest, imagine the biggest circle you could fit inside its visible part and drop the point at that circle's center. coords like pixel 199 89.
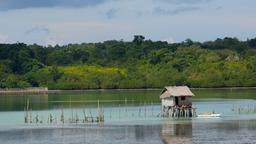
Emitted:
pixel 140 63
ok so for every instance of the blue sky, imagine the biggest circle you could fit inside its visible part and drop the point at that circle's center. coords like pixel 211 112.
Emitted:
pixel 75 21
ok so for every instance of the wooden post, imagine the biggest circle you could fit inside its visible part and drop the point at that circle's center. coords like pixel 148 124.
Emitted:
pixel 42 119
pixel 77 118
pixel 26 110
pixel 98 109
pixel 91 116
pixel 85 118
pixel 62 120
pixel 110 114
pixel 125 104
pixel 25 116
pixel 37 119
pixel 152 108
pixel 133 108
pixel 51 118
pixel 139 111
pixel 30 116
pixel 119 111
pixel 145 108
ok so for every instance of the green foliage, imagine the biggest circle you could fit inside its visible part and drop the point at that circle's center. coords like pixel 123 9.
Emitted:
pixel 11 81
pixel 55 73
pixel 138 64
pixel 138 39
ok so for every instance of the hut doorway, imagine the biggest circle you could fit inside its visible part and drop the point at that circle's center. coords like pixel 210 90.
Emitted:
pixel 176 100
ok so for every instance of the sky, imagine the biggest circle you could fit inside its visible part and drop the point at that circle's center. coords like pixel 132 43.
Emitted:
pixel 51 22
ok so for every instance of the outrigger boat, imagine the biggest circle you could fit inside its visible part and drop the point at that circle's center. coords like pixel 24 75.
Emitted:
pixel 209 115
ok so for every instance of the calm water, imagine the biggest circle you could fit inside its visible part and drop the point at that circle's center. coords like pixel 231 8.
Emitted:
pixel 131 116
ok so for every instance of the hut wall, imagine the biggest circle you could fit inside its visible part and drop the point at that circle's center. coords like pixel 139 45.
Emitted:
pixel 168 101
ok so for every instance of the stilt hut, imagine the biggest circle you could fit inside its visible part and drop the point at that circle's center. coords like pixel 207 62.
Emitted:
pixel 177 102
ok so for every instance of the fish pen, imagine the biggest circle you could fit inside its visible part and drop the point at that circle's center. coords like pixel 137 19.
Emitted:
pixel 239 109
pixel 59 117
pixel 100 111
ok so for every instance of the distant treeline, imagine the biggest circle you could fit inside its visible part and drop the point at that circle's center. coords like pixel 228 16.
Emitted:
pixel 140 63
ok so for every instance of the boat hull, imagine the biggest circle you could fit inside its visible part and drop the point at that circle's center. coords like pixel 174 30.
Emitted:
pixel 208 115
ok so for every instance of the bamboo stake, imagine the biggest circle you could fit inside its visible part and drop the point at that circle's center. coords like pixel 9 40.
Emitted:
pixel 77 118
pixel 25 116
pixel 139 111
pixel 42 119
pixel 152 108
pixel 51 118
pixel 30 116
pixel 119 112
pixel 91 116
pixel 62 119
pixel 37 119
pixel 125 106
pixel 110 114
pixel 145 108
pixel 85 118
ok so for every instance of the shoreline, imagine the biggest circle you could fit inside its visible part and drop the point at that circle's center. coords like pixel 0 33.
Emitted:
pixel 121 89
pixel 148 89
pixel 24 90
pixel 46 90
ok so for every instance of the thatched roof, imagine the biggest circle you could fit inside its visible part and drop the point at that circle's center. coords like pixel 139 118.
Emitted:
pixel 175 91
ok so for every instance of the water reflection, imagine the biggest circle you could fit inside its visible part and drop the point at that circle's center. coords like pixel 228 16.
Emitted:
pixel 178 133
pixel 143 133
pixel 84 135
pixel 18 102
pixel 171 132
pixel 228 132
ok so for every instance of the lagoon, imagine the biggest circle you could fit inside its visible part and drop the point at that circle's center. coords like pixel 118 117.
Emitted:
pixel 131 116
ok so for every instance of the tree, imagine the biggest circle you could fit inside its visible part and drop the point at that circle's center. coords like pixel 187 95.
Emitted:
pixel 252 43
pixel 188 42
pixel 137 64
pixel 59 57
pixel 11 81
pixel 138 39
pixel 56 74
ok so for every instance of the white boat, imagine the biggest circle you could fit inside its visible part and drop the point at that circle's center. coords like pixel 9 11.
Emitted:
pixel 209 115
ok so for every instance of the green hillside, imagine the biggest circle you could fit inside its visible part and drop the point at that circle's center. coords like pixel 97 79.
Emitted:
pixel 141 63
